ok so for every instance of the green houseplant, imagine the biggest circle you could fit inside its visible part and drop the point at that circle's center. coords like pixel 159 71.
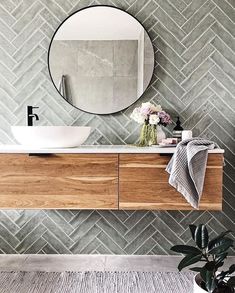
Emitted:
pixel 211 253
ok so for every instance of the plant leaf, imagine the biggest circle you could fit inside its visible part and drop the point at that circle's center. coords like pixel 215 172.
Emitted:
pixel 203 274
pixel 231 282
pixel 221 246
pixel 186 249
pixel 221 275
pixel 210 281
pixel 189 260
pixel 231 269
pixel 192 229
pixel 216 239
pixel 201 236
pixel 219 264
pixel 196 269
pixel 221 257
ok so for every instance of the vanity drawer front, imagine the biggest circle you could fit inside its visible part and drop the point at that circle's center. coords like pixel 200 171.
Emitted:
pixel 66 181
pixel 144 184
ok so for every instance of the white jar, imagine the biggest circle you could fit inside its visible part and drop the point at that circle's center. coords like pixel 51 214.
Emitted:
pixel 187 134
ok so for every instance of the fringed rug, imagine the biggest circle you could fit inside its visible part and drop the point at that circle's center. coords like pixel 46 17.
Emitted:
pixel 95 282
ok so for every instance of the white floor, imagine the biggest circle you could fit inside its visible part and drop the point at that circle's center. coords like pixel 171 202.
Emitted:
pixel 59 263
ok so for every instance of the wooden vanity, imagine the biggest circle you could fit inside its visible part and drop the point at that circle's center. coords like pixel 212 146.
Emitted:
pixel 98 177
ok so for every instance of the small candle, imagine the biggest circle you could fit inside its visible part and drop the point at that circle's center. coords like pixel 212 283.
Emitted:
pixel 187 134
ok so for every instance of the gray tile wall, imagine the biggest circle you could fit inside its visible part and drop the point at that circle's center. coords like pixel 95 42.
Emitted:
pixel 194 76
pixel 101 80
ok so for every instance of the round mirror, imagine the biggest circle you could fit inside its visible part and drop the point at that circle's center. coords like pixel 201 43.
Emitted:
pixel 101 59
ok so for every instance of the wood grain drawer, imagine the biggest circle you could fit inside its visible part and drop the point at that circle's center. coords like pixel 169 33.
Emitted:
pixel 59 181
pixel 143 184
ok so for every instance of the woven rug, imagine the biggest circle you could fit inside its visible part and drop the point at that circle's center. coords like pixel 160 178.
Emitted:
pixel 95 282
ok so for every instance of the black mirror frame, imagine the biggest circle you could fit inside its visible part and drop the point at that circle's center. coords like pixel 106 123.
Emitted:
pixel 48 58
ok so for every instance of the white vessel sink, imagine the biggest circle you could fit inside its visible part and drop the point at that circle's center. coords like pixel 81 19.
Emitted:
pixel 51 136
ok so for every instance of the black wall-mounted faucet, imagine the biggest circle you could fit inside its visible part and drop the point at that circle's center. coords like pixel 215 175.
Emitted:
pixel 30 115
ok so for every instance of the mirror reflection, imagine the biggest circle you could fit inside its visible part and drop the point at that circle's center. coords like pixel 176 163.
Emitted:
pixel 101 59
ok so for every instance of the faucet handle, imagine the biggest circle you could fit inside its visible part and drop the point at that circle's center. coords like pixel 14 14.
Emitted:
pixel 30 108
pixel 31 115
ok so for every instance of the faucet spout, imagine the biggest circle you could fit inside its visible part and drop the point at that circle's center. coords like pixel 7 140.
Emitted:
pixel 36 116
pixel 31 115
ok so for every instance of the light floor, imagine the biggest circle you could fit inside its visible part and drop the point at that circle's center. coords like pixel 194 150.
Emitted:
pixel 60 263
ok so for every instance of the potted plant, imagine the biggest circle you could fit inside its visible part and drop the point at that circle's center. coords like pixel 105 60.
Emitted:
pixel 212 253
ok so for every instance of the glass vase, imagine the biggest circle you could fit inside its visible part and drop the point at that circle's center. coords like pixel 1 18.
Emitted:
pixel 160 134
pixel 148 135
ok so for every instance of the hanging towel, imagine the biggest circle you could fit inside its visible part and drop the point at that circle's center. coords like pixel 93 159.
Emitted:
pixel 187 168
pixel 64 89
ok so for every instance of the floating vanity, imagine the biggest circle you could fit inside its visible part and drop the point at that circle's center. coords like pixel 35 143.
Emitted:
pixel 99 177
pixel 117 64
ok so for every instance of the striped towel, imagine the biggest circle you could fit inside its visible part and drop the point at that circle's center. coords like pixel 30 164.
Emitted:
pixel 187 168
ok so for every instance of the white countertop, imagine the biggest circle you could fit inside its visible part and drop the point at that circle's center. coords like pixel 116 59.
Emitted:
pixel 92 149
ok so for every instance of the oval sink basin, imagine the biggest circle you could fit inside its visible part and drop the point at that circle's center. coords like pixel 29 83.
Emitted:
pixel 51 136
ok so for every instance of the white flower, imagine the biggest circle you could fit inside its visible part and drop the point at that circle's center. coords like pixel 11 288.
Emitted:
pixel 154 119
pixel 156 108
pixel 145 109
pixel 138 116
pixel 147 105
pixel 150 108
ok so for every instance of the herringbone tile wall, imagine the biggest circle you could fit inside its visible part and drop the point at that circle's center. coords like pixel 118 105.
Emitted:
pixel 194 76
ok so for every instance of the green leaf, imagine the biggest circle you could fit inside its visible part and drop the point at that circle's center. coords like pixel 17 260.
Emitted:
pixel 189 260
pixel 201 236
pixel 221 246
pixel 219 264
pixel 231 282
pixel 186 249
pixel 221 275
pixel 196 269
pixel 221 257
pixel 192 229
pixel 203 274
pixel 208 278
pixel 231 269
pixel 216 239
pixel 210 282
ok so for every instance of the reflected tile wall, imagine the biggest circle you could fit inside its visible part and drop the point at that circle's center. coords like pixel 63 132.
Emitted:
pixel 102 74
